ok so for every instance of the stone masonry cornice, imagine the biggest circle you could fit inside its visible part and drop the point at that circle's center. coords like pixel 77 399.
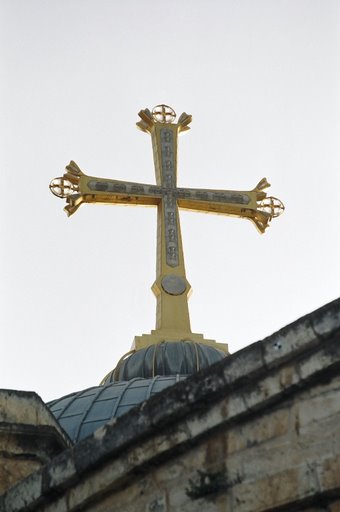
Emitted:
pixel 261 375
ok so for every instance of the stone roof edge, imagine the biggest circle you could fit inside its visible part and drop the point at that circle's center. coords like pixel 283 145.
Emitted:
pixel 306 335
pixel 49 426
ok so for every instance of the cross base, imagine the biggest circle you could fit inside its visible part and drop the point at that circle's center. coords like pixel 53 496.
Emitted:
pixel 157 336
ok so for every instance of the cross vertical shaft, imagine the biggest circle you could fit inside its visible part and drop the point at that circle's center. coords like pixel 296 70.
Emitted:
pixel 171 287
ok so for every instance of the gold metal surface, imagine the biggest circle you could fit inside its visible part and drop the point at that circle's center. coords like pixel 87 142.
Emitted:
pixel 171 287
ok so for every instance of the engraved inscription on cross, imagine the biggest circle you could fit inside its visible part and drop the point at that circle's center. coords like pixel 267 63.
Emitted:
pixel 171 286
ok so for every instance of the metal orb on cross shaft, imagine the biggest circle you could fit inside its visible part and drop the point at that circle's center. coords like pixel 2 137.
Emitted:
pixel 163 114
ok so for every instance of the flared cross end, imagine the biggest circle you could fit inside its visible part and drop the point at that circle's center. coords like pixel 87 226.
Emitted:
pixel 162 114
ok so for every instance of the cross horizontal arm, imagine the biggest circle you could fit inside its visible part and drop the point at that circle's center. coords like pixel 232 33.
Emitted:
pixel 253 204
pixel 78 188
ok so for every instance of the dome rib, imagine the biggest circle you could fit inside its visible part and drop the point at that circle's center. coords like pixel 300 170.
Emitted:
pixel 127 385
pixel 86 411
pixel 151 385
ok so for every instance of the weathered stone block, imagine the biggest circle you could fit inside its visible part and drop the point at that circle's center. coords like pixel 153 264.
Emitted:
pixel 326 320
pixel 327 357
pixel 275 424
pixel 30 436
pixel 30 493
pixel 288 342
pixel 317 408
pixel 276 490
pixel 59 475
pixel 243 365
pixel 328 472
pixel 13 470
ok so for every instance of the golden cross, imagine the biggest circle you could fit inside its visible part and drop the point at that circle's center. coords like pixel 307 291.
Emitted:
pixel 171 286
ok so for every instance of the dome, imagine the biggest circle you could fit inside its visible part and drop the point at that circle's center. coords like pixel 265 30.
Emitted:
pixel 138 375
pixel 81 413
pixel 166 358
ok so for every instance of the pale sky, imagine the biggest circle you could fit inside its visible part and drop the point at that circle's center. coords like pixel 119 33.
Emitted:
pixel 261 80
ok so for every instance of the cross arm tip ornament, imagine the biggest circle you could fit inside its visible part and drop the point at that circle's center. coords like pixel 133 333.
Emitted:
pixel 267 208
pixel 162 114
pixel 67 187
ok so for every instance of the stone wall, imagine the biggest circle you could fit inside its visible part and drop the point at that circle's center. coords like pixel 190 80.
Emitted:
pixel 288 456
pixel 29 436
pixel 259 431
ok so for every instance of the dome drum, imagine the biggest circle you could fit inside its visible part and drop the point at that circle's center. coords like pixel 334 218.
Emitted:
pixel 166 358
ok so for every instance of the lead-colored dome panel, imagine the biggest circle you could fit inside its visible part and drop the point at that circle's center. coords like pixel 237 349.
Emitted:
pixel 166 358
pixel 81 413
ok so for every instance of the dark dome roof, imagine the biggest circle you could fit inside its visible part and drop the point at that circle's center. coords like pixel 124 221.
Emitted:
pixel 137 376
pixel 166 358
pixel 81 413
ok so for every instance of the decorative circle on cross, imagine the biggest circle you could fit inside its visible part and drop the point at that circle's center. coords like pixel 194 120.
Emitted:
pixel 163 114
pixel 271 205
pixel 61 187
pixel 173 285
